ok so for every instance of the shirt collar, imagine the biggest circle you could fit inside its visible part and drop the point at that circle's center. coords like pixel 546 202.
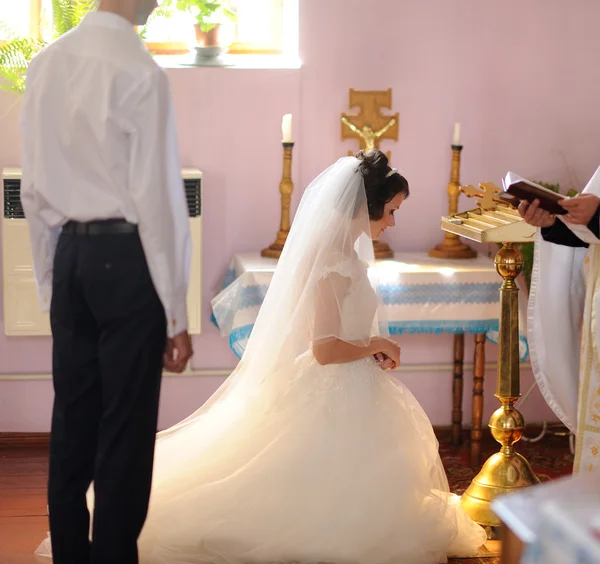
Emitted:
pixel 107 19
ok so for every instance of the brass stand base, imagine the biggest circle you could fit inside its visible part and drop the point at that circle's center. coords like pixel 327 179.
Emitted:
pixel 452 249
pixel 274 249
pixel 382 250
pixel 504 472
pixel 487 485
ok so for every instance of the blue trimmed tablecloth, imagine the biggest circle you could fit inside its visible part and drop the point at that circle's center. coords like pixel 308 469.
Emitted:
pixel 421 295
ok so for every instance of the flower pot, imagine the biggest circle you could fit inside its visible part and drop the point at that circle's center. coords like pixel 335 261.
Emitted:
pixel 210 47
pixel 210 38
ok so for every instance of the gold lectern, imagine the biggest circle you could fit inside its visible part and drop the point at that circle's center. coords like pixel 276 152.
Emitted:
pixel 506 471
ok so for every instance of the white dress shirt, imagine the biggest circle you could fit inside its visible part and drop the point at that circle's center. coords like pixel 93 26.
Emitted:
pixel 99 142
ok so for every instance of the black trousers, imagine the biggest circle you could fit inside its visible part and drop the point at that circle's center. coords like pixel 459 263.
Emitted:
pixel 109 332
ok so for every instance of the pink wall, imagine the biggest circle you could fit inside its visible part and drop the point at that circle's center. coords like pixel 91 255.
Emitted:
pixel 521 78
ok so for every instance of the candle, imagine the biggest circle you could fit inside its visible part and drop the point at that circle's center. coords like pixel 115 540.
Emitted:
pixel 456 135
pixel 286 128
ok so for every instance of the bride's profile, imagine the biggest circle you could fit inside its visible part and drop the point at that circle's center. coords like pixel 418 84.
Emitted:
pixel 311 452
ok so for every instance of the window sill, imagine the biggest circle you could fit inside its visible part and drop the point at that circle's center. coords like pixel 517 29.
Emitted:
pixel 255 62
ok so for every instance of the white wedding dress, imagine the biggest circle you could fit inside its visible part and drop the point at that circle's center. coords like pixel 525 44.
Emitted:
pixel 342 468
pixel 306 463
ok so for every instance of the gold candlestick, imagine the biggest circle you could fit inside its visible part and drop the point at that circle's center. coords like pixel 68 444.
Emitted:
pixel 286 187
pixel 452 247
pixel 382 250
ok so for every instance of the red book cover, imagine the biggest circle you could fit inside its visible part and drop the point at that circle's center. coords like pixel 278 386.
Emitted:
pixel 522 189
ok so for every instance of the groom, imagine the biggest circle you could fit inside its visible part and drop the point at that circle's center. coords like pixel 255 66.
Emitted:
pixel 103 196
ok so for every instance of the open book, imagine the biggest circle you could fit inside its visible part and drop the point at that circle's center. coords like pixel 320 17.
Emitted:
pixel 521 189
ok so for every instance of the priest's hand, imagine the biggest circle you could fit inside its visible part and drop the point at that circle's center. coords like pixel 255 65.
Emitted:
pixel 581 208
pixel 534 215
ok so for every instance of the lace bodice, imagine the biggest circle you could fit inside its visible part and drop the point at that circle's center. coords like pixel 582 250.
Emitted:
pixel 359 304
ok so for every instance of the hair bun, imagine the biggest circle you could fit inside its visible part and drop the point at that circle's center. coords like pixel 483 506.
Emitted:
pixel 379 188
pixel 374 164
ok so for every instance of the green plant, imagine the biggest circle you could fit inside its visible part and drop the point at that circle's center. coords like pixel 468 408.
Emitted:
pixel 15 56
pixel 206 13
pixel 67 14
pixel 17 52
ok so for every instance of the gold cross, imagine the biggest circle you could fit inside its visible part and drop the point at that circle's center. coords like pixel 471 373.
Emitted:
pixel 486 194
pixel 370 126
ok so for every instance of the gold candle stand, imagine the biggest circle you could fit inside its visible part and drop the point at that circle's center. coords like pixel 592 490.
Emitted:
pixel 286 187
pixel 452 247
pixel 382 250
pixel 506 471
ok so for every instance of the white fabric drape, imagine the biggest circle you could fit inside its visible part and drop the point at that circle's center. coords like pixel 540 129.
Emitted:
pixel 556 316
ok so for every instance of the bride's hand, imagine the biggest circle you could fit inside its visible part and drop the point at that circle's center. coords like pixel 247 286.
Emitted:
pixel 384 362
pixel 389 348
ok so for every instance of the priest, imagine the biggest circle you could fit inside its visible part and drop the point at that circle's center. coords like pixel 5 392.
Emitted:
pixel 564 309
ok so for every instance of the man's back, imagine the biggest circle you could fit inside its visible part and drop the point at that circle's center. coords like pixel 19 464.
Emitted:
pixel 99 142
pixel 81 90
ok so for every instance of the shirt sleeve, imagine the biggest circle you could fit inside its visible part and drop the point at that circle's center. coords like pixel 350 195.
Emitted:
pixel 43 238
pixel 158 194
pixel 560 234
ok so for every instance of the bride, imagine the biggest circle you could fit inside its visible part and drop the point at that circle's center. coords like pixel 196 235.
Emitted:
pixel 310 452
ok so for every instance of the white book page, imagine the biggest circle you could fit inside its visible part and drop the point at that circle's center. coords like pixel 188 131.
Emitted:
pixel 512 178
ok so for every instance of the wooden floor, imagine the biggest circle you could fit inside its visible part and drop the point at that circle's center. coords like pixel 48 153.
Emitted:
pixel 23 516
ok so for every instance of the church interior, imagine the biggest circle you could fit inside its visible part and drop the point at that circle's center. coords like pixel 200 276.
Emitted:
pixel 457 94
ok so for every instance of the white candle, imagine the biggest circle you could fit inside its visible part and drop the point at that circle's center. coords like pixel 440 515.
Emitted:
pixel 286 128
pixel 456 135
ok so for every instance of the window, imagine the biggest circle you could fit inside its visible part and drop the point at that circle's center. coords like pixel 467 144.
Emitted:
pixel 19 17
pixel 261 27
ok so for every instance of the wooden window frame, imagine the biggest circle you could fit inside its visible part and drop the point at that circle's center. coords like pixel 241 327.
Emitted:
pixel 35 18
pixel 177 48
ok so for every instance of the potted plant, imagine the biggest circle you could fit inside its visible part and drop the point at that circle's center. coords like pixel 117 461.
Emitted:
pixel 208 18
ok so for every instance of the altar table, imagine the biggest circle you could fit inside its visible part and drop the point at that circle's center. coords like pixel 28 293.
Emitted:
pixel 421 295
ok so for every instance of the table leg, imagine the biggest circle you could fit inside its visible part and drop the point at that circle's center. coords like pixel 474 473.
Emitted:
pixel 477 414
pixel 457 388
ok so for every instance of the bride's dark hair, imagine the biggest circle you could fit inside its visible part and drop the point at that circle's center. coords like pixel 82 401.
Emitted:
pixel 379 187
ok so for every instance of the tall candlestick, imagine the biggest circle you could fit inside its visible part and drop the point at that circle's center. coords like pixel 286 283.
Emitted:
pixel 286 187
pixel 452 247
pixel 286 128
pixel 456 135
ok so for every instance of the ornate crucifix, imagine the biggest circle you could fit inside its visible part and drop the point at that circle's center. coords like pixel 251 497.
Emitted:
pixel 370 126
